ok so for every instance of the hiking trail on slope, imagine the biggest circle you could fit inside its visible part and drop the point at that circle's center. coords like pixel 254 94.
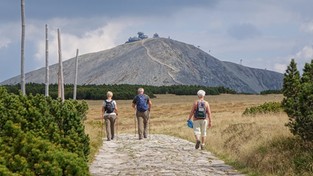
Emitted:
pixel 156 155
pixel 161 63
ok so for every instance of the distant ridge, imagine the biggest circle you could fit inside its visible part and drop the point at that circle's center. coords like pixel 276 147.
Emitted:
pixel 159 61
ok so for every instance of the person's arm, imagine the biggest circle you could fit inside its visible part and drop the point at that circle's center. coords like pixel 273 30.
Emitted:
pixel 149 104
pixel 192 112
pixel 209 115
pixel 134 103
pixel 115 109
pixel 134 106
pixel 102 111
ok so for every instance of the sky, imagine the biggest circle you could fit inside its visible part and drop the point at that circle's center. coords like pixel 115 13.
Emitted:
pixel 263 34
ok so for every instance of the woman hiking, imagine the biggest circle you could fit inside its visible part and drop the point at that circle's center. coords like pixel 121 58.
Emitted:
pixel 201 114
pixel 109 113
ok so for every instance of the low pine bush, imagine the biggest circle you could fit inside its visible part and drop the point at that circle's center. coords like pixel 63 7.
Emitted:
pixel 268 107
pixel 42 136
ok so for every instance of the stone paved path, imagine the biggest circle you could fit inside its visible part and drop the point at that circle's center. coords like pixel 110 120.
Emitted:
pixel 157 155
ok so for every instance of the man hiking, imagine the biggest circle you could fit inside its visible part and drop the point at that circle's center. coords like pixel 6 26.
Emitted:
pixel 142 104
pixel 109 113
pixel 201 114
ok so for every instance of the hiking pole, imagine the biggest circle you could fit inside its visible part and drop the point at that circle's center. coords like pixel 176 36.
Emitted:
pixel 102 127
pixel 135 123
pixel 116 127
pixel 149 125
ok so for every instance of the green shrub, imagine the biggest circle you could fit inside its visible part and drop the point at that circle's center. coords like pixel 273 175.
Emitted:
pixel 265 92
pixel 268 107
pixel 298 100
pixel 42 136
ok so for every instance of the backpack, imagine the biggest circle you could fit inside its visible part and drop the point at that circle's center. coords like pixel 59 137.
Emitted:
pixel 109 106
pixel 201 111
pixel 141 103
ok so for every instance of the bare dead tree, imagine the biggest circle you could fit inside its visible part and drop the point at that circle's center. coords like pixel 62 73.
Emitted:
pixel 76 73
pixel 22 47
pixel 47 64
pixel 60 74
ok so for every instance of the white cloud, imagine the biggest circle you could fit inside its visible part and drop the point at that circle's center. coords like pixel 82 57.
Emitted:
pixel 4 42
pixel 307 27
pixel 8 33
pixel 281 68
pixel 305 54
pixel 94 40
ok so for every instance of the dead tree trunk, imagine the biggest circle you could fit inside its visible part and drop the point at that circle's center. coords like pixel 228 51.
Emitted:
pixel 76 73
pixel 60 75
pixel 22 48
pixel 47 65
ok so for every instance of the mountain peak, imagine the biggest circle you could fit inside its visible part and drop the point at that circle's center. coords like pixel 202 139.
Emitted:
pixel 159 61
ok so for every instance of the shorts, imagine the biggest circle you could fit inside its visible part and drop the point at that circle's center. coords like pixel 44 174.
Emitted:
pixel 199 127
pixel 109 115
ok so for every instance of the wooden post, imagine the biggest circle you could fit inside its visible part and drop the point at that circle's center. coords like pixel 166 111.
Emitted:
pixel 76 73
pixel 47 65
pixel 22 48
pixel 60 75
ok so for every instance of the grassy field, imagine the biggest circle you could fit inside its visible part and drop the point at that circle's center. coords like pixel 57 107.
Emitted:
pixel 242 141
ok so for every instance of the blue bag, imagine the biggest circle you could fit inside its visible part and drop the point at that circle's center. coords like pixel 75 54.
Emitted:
pixel 141 103
pixel 189 124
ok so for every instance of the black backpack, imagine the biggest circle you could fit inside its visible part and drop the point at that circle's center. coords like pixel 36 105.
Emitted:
pixel 109 106
pixel 201 111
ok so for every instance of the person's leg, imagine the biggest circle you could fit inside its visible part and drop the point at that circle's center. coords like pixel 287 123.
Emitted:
pixel 140 121
pixel 112 122
pixel 107 127
pixel 202 142
pixel 145 124
pixel 204 125
pixel 196 129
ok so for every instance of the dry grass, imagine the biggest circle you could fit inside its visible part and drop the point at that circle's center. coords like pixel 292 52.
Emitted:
pixel 232 136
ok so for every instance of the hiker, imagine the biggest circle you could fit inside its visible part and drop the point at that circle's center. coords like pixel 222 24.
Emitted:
pixel 201 114
pixel 142 104
pixel 109 113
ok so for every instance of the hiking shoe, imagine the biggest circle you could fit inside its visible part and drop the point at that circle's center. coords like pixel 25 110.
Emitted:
pixel 202 146
pixel 197 144
pixel 145 135
pixel 108 139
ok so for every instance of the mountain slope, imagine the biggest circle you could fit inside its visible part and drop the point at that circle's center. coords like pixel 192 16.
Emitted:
pixel 159 61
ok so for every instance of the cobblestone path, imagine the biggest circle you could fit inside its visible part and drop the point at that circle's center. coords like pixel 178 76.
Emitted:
pixel 157 155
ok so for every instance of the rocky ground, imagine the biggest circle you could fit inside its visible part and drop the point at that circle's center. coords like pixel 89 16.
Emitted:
pixel 157 155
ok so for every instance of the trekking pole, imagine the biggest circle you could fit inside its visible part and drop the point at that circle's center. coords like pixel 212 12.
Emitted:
pixel 102 127
pixel 135 124
pixel 116 127
pixel 149 126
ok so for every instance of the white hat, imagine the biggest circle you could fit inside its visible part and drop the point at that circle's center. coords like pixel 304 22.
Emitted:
pixel 201 93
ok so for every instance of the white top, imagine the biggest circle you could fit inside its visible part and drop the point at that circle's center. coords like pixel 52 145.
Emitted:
pixel 104 103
